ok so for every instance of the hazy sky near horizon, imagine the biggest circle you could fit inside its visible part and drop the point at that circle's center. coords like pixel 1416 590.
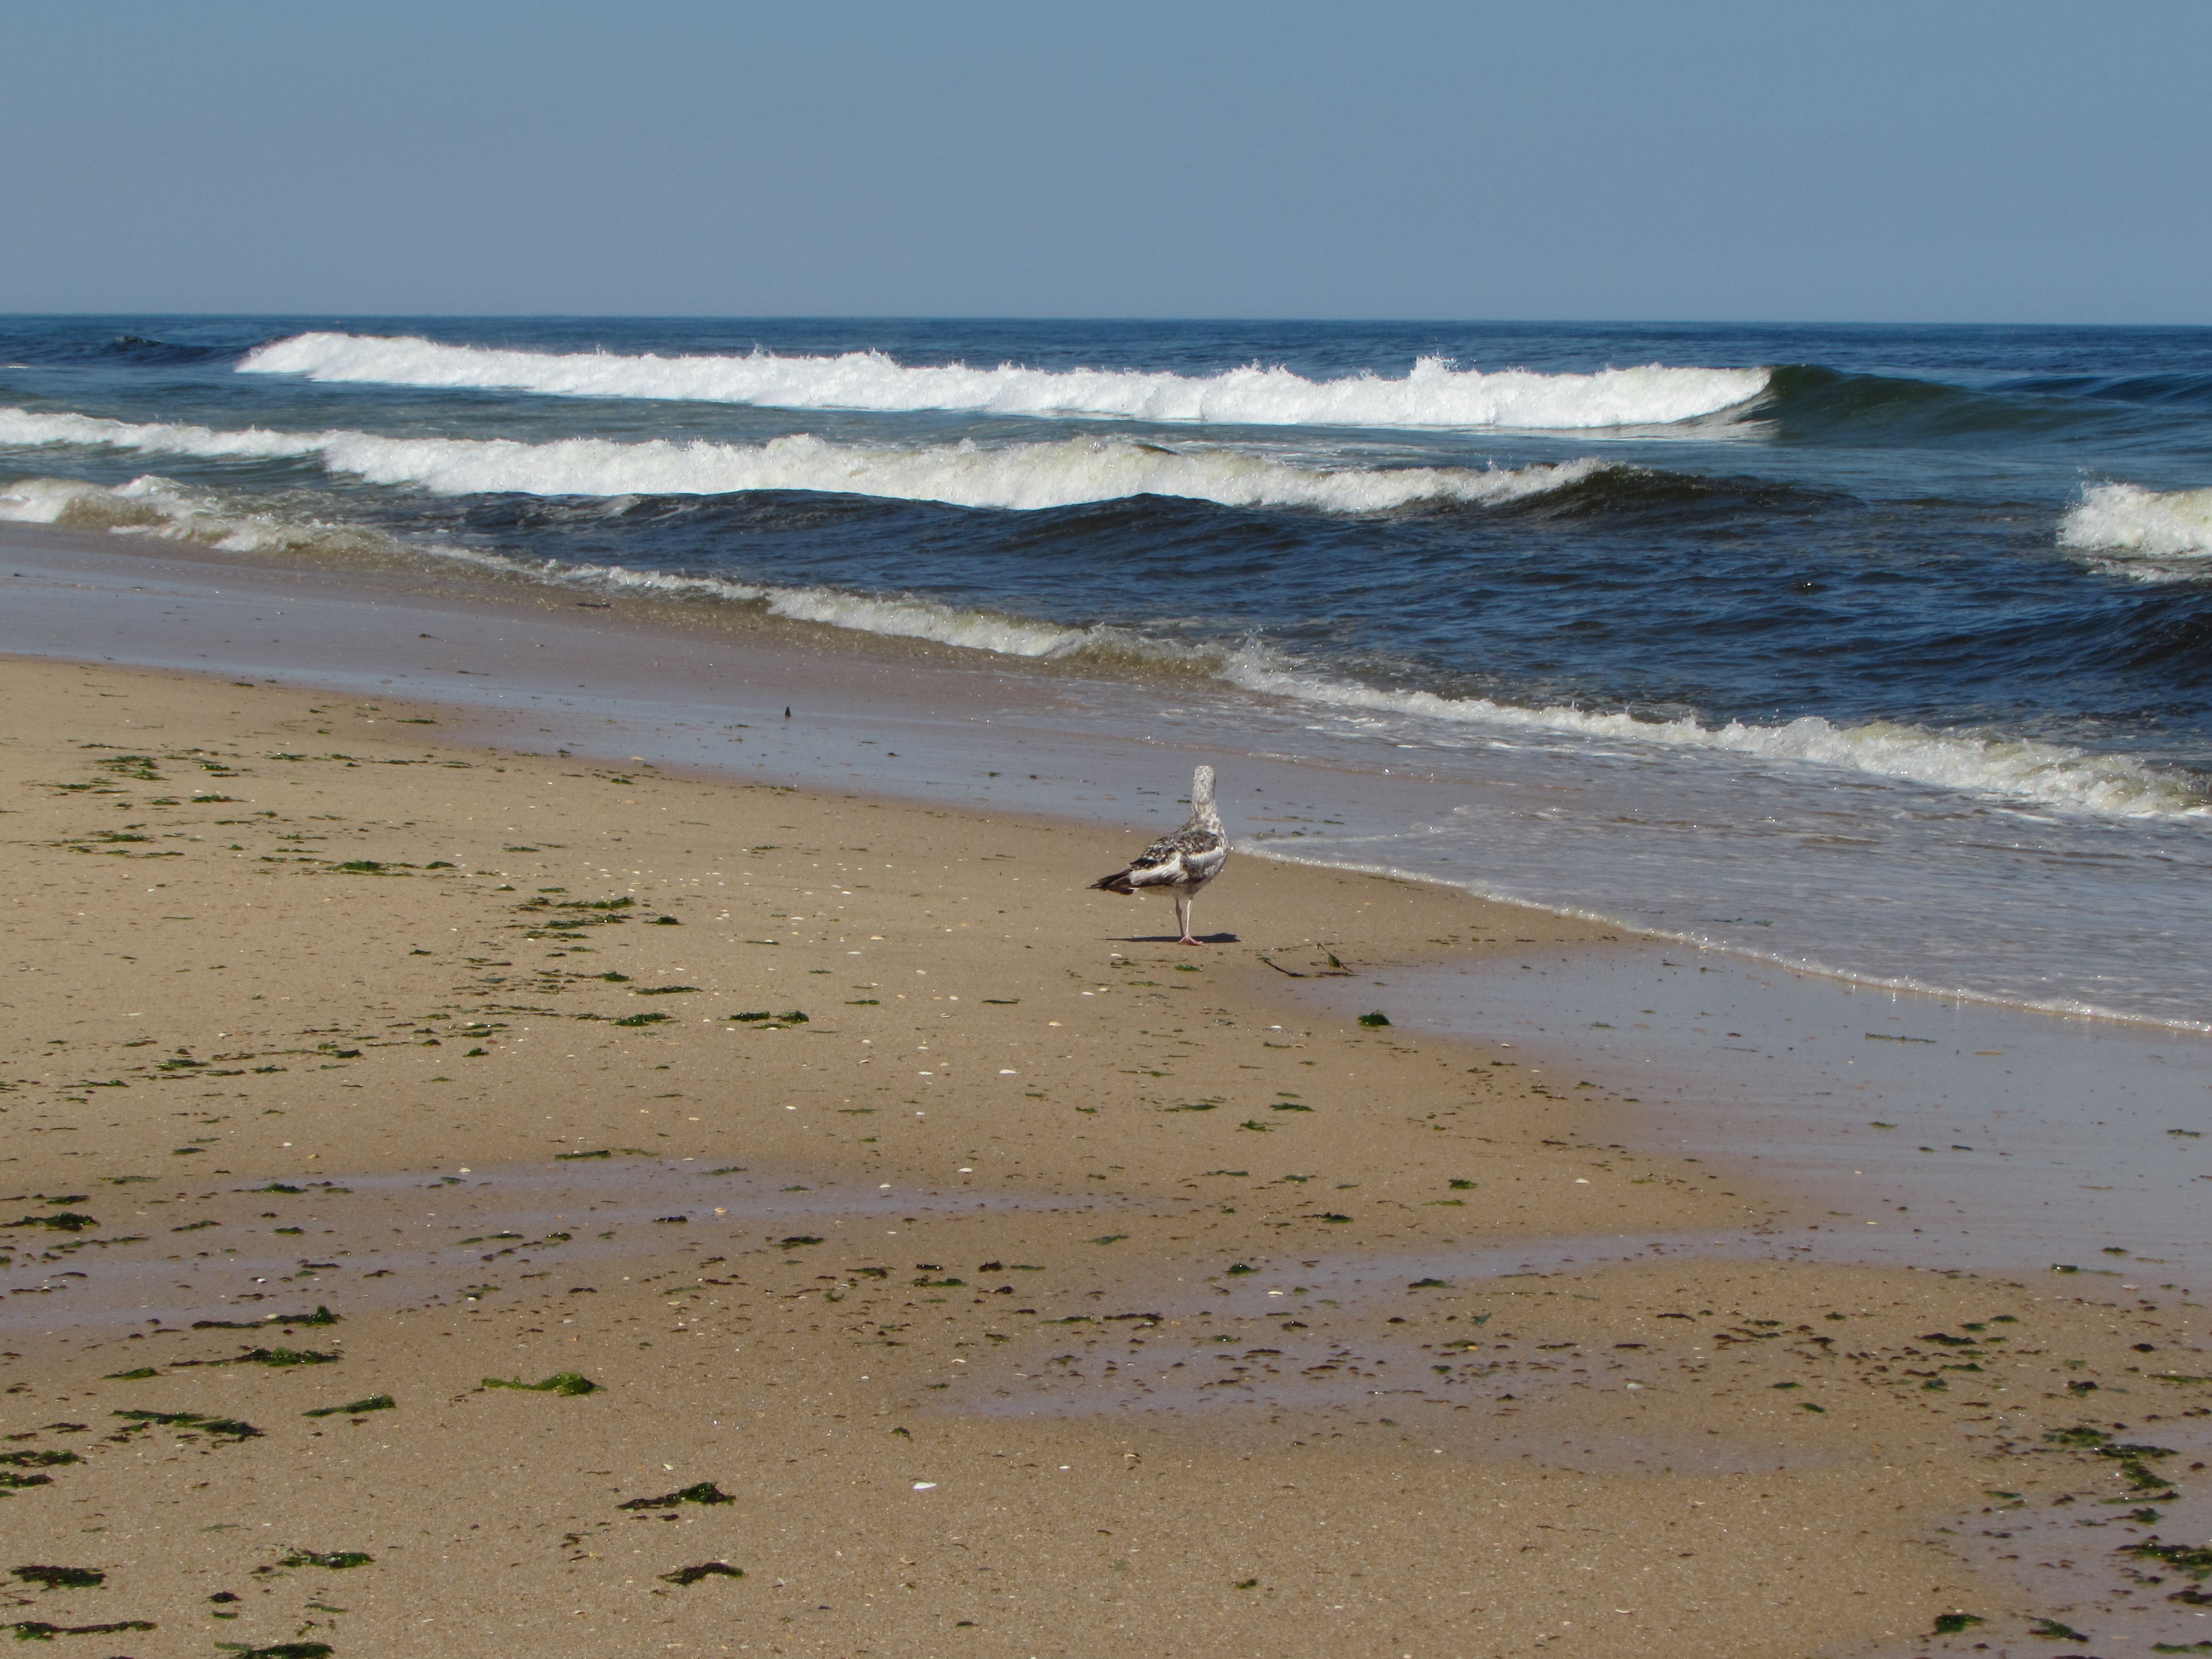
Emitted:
pixel 1998 160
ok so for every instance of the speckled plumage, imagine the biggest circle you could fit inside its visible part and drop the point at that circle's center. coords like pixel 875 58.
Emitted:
pixel 1181 864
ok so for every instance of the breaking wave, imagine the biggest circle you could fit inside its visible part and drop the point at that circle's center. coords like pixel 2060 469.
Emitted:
pixel 1025 477
pixel 1432 394
pixel 2011 769
pixel 2023 771
pixel 2132 522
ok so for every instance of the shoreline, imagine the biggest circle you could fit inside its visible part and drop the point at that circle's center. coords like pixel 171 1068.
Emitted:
pixel 996 1327
pixel 1073 716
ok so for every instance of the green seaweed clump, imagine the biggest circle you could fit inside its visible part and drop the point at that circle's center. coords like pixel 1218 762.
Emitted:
pixel 561 1382
pixel 283 1357
pixel 38 1460
pixel 61 1577
pixel 1378 1017
pixel 1950 1623
pixel 321 1316
pixel 2197 1563
pixel 706 1491
pixel 63 1221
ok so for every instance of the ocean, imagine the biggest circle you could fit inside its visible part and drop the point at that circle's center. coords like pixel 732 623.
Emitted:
pixel 1884 653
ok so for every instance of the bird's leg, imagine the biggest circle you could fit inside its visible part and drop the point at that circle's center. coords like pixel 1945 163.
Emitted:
pixel 1183 907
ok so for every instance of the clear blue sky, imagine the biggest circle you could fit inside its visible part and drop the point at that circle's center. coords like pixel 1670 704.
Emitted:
pixel 1945 160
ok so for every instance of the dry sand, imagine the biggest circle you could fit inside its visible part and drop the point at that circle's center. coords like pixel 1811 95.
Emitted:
pixel 1046 1289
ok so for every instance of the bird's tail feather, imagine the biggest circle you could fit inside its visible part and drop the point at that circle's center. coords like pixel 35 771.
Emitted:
pixel 1117 882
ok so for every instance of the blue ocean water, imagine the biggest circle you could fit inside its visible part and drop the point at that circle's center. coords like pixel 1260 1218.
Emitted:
pixel 1882 650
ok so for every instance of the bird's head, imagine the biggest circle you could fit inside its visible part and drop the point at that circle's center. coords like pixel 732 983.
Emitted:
pixel 1201 797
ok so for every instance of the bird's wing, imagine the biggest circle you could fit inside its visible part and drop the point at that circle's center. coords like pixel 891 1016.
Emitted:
pixel 1186 857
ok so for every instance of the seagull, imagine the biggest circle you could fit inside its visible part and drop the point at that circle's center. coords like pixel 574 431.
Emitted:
pixel 1181 864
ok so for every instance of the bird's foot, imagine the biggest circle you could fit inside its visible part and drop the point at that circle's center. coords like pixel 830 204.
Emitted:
pixel 1187 940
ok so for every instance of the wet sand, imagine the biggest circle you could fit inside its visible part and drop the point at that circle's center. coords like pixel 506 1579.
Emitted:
pixel 1047 1289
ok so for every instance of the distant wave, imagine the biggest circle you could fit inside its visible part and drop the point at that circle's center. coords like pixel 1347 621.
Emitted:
pixel 1433 394
pixel 1018 475
pixel 2018 771
pixel 21 344
pixel 2131 523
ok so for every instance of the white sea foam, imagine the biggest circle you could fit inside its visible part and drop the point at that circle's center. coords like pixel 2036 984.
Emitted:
pixel 2129 521
pixel 2024 771
pixel 170 511
pixel 163 508
pixel 2010 768
pixel 1433 394
pixel 1015 476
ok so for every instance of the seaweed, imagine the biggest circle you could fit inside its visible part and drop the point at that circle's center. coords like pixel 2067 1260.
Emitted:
pixel 37 1629
pixel 2183 1557
pixel 61 1577
pixel 640 1020
pixel 222 1428
pixel 279 1651
pixel 137 1375
pixel 336 1560
pixel 375 1402
pixel 65 1221
pixel 704 1492
pixel 282 1357
pixel 684 1576
pixel 1378 1017
pixel 322 1315
pixel 1951 1624
pixel 38 1460
pixel 568 1383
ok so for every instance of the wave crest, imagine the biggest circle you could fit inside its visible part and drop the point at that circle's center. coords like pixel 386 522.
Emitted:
pixel 1024 477
pixel 1433 394
pixel 2019 770
pixel 2127 519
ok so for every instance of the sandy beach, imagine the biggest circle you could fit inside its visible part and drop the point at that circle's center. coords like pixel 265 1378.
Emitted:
pixel 954 1263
